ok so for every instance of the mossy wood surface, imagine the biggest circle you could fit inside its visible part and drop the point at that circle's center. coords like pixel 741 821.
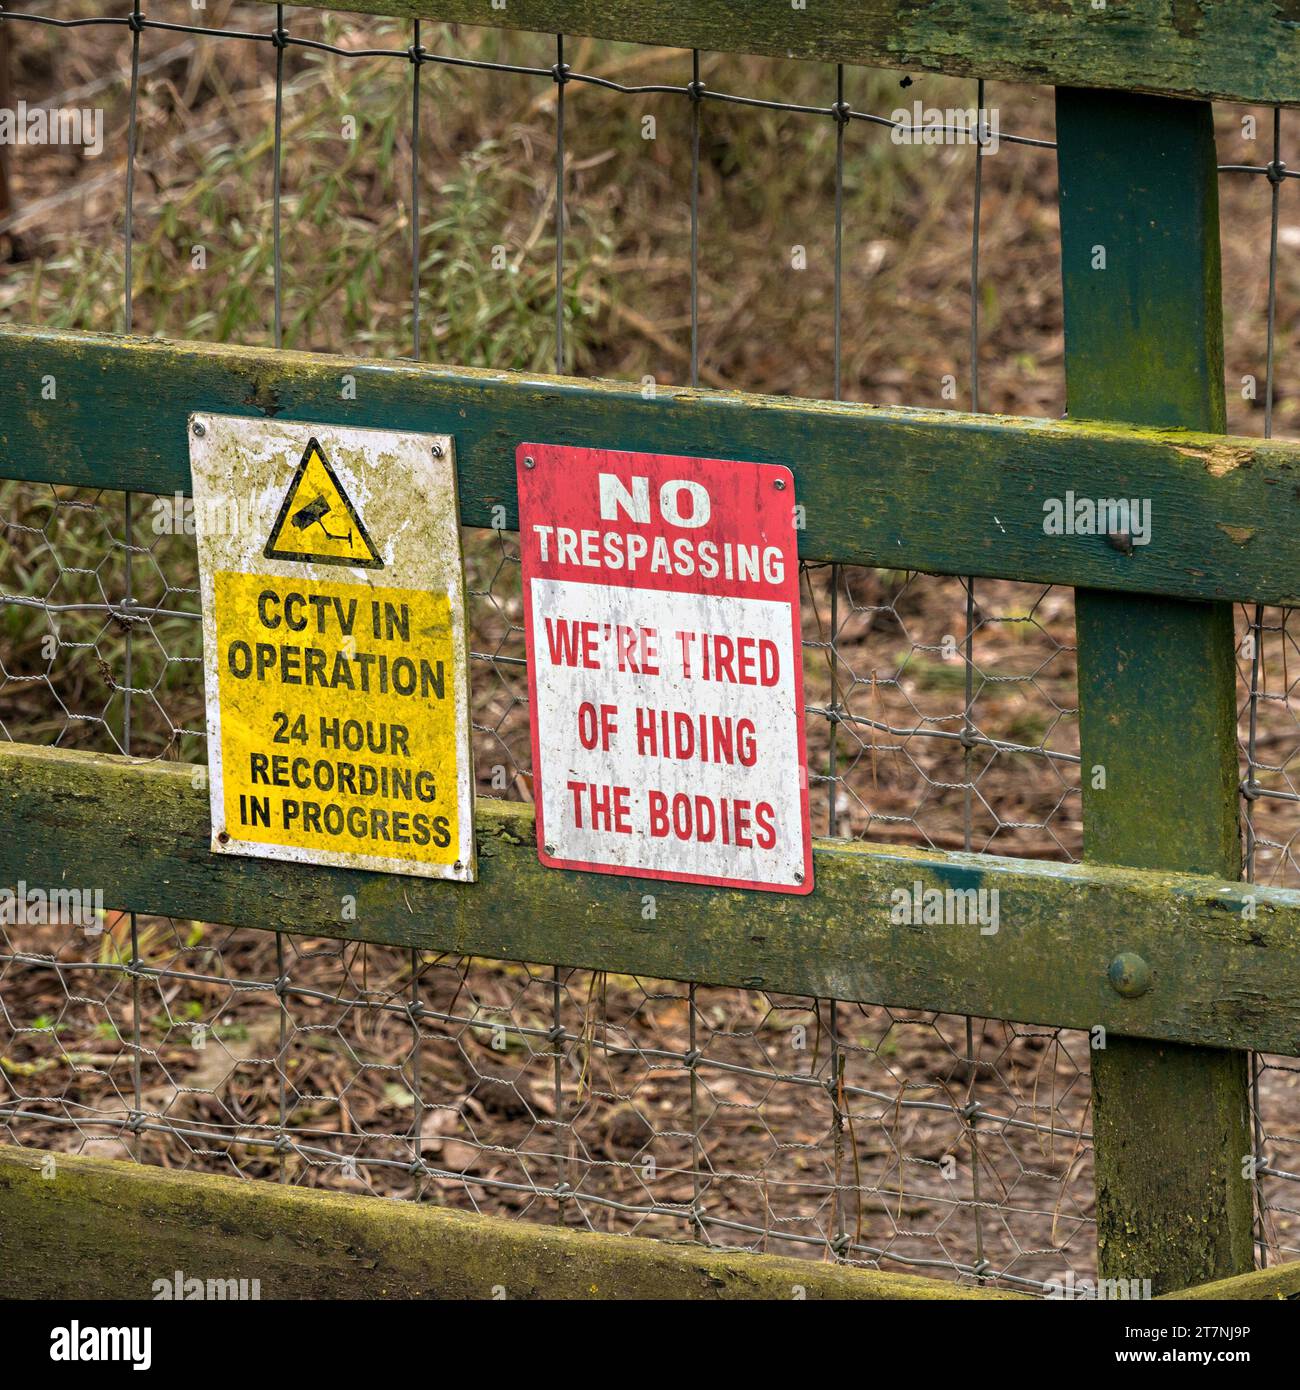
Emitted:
pixel 904 489
pixel 1157 679
pixel 140 831
pixel 109 1230
pixel 1281 1282
pixel 1242 50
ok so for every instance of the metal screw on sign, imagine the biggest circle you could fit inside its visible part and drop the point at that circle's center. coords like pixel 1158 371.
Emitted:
pixel 530 462
pixel 780 484
pixel 436 450
pixel 200 429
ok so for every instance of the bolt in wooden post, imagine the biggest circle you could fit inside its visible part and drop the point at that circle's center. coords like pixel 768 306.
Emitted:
pixel 1157 692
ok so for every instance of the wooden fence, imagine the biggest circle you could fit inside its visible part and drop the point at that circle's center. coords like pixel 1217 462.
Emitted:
pixel 1219 969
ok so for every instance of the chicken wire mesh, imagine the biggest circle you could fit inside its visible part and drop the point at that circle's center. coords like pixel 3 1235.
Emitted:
pixel 941 711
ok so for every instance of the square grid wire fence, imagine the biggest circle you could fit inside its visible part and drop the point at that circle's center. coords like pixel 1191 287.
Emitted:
pixel 941 712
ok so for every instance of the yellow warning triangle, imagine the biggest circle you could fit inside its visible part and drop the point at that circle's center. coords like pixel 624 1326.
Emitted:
pixel 317 521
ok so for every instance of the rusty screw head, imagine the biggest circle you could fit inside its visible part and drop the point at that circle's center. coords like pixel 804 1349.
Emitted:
pixel 1129 975
pixel 1121 541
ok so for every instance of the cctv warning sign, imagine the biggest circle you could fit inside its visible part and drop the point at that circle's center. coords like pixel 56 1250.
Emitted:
pixel 334 646
pixel 317 521
pixel 662 611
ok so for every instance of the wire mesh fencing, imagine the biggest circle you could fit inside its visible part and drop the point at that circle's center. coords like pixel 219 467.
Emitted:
pixel 941 710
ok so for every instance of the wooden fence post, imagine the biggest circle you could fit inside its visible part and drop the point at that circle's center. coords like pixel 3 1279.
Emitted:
pixel 1157 690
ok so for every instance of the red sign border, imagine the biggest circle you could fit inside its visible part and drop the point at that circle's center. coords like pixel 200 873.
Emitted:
pixel 555 452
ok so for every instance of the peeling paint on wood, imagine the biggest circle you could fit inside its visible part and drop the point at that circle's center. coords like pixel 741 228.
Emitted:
pixel 1221 459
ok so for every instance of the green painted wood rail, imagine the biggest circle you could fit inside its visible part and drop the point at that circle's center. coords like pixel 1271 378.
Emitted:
pixel 937 491
pixel 113 1230
pixel 1224 957
pixel 1238 50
